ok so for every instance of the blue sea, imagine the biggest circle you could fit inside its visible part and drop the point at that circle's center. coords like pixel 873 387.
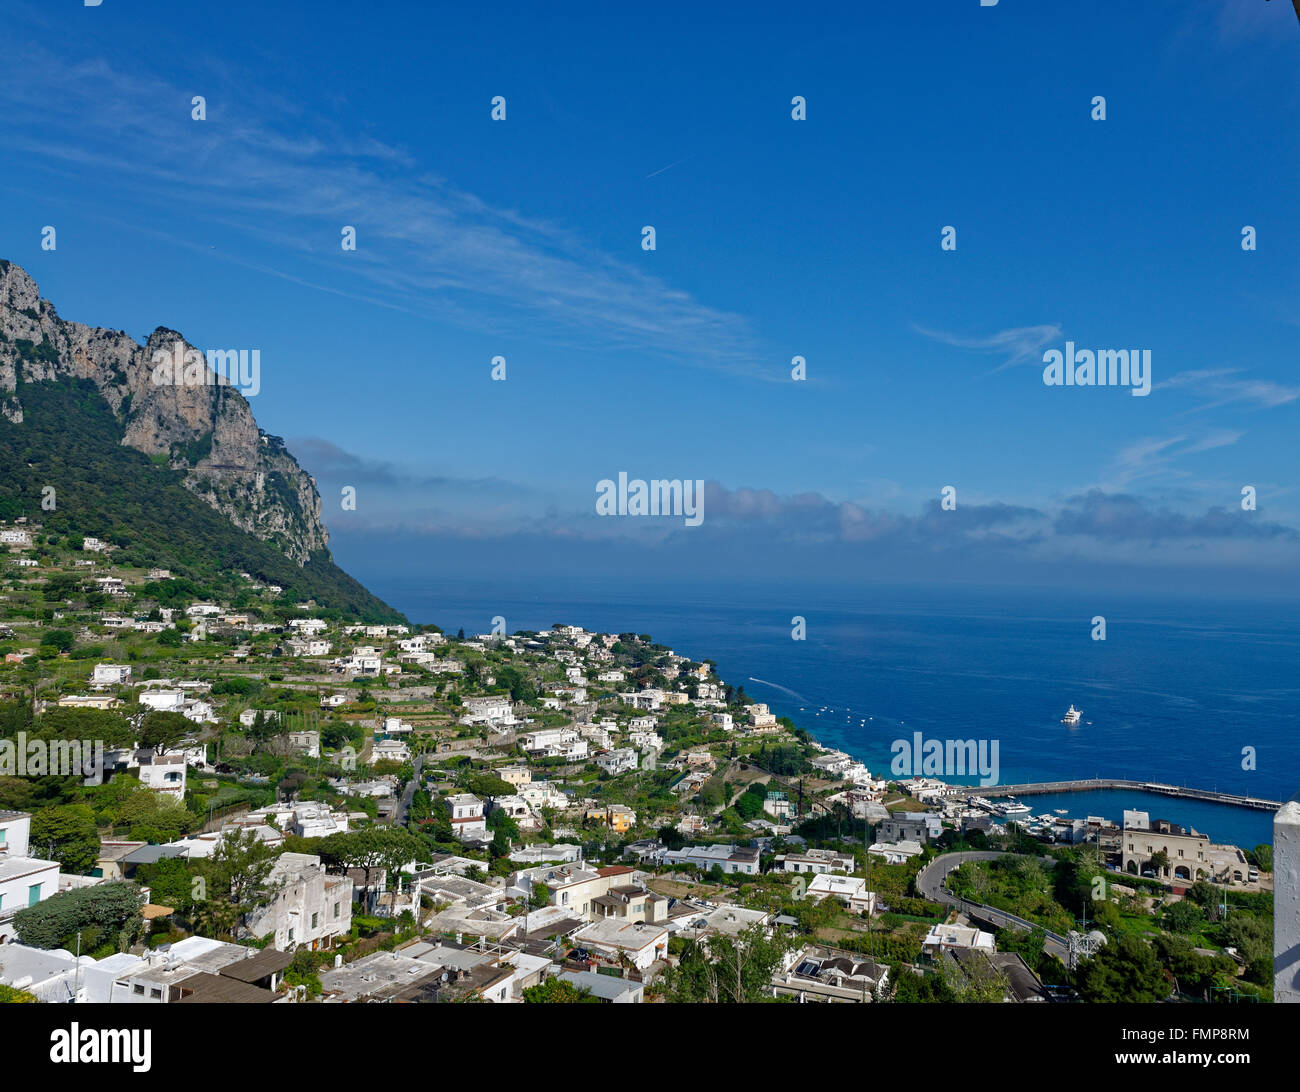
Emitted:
pixel 1175 692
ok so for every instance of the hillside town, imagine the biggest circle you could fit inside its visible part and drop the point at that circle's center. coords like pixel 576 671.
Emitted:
pixel 216 794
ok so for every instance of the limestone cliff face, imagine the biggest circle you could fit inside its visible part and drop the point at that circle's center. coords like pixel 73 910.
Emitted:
pixel 192 417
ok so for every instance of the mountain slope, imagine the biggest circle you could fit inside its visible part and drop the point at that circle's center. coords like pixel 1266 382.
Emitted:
pixel 204 429
pixel 177 477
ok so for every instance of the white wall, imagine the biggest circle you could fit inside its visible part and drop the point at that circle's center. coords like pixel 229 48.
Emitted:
pixel 1286 903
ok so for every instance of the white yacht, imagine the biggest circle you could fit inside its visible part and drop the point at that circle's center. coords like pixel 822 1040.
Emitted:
pixel 1013 807
pixel 1072 716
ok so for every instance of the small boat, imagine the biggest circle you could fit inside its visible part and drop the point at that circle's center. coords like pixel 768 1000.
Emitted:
pixel 1060 811
pixel 1072 715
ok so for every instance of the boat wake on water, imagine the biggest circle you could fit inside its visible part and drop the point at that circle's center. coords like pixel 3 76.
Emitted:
pixel 783 689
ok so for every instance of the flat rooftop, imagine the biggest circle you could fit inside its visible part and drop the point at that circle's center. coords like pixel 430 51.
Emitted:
pixel 15 868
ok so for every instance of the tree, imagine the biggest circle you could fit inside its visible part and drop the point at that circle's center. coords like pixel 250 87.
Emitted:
pixel 976 982
pixel 155 817
pixel 727 970
pixel 11 996
pixel 103 914
pixel 539 896
pixel 1262 855
pixel 556 991
pixel 914 988
pixel 671 837
pixel 236 882
pixel 97 724
pixel 171 883
pixel 1191 970
pixel 1125 970
pixel 68 833
pixel 1159 861
pixel 1183 917
pixel 1028 945
pixel 373 848
pixel 163 730
pixel 302 971
pixel 1251 936
pixel 1106 914
pixel 56 641
pixel 500 844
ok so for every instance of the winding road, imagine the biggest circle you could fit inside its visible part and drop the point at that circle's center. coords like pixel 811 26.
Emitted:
pixel 930 883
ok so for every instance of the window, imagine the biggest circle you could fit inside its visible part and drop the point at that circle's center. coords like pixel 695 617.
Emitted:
pixel 156 992
pixel 138 990
pixel 314 919
pixel 33 894
pixel 336 911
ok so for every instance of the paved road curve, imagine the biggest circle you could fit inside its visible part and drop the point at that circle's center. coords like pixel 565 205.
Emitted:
pixel 930 883
pixel 404 802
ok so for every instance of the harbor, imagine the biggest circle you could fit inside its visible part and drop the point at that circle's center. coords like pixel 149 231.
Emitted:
pixel 1212 796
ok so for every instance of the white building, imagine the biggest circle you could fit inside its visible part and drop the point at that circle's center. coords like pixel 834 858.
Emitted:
pixel 492 707
pixel 832 762
pixel 389 750
pixel 111 674
pixel 617 762
pixel 649 699
pixel 555 743
pixel 640 943
pixel 24 880
pixel 177 701
pixel 163 773
pixel 817 861
pixel 944 937
pixel 467 821
pixel 728 858
pixel 895 852
pixel 848 889
pixel 310 908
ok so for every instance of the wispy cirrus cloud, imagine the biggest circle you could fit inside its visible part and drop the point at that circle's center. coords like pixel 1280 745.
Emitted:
pixel 259 168
pixel 1018 345
pixel 1228 386
pixel 1157 456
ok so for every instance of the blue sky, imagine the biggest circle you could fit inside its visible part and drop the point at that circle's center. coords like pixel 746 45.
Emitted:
pixel 819 238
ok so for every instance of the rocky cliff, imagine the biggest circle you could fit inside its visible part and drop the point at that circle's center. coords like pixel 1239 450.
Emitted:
pixel 189 416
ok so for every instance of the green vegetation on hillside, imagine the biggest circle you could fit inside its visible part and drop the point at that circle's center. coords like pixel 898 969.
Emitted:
pixel 70 440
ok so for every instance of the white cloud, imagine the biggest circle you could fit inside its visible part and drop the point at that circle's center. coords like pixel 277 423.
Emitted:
pixel 1019 345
